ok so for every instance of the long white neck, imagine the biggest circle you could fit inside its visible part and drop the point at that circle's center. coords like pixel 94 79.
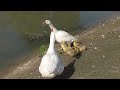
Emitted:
pixel 51 45
pixel 52 27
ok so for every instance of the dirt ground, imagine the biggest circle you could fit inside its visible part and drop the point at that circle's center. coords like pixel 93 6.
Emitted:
pixel 101 60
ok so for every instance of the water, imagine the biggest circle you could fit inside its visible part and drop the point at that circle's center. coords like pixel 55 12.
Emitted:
pixel 13 25
pixel 92 17
pixel 11 47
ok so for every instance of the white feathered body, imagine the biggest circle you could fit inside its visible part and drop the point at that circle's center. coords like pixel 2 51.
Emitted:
pixel 63 36
pixel 51 65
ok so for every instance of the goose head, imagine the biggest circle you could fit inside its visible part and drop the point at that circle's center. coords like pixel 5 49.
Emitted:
pixel 47 22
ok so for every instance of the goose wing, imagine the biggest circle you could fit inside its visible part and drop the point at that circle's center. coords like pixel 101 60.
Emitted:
pixel 49 63
pixel 63 36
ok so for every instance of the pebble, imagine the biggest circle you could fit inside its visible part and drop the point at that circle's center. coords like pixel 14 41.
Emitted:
pixel 91 43
pixel 103 36
pixel 119 36
pixel 93 66
pixel 114 67
pixel 113 20
pixel 95 47
pixel 103 24
pixel 114 30
pixel 103 56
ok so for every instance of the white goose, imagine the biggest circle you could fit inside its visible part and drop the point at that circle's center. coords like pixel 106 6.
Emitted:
pixel 60 35
pixel 51 65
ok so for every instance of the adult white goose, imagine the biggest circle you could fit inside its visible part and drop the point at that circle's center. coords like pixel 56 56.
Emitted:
pixel 60 35
pixel 51 65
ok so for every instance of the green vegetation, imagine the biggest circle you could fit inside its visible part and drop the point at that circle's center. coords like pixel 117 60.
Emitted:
pixel 42 49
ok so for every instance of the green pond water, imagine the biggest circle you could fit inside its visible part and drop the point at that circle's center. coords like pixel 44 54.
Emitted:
pixel 14 24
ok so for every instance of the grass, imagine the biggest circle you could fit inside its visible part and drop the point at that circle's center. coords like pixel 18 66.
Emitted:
pixel 42 49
